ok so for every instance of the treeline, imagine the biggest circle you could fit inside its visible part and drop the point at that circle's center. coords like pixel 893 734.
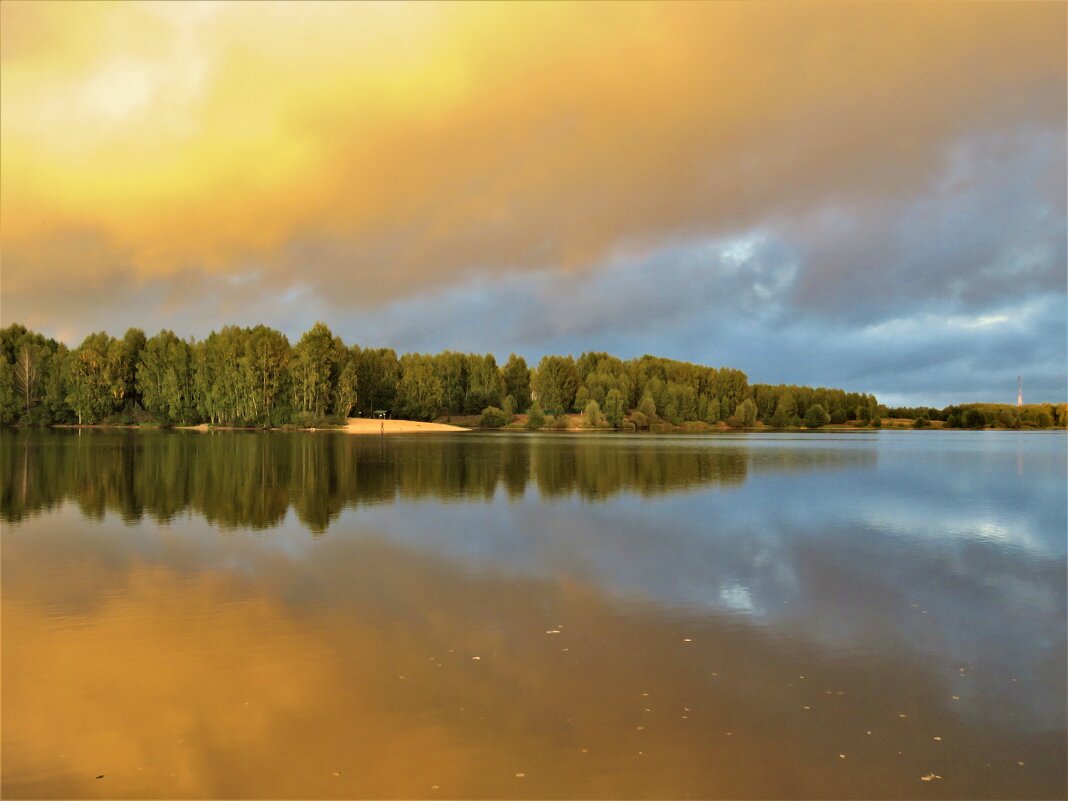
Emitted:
pixel 255 377
pixel 983 415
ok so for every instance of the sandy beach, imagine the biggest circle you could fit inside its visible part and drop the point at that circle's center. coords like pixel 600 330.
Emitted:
pixel 365 425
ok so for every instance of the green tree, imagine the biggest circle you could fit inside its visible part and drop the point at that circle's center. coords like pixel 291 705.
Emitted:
pixel 133 343
pixel 451 369
pixel 29 372
pixel 509 407
pixel 165 378
pixel 582 397
pixel 266 372
pixel 484 384
pixel 648 407
pixel 378 376
pixel 613 408
pixel 593 414
pixel 816 416
pixel 745 414
pixel 516 376
pixel 314 371
pixel 712 414
pixel 347 386
pixel 90 387
pixel 785 411
pixel 9 398
pixel 556 382
pixel 420 395
pixel 973 418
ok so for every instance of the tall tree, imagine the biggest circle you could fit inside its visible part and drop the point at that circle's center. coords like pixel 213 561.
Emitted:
pixel 348 383
pixel 420 395
pixel 165 378
pixel 91 386
pixel 266 364
pixel 516 376
pixel 556 383
pixel 314 370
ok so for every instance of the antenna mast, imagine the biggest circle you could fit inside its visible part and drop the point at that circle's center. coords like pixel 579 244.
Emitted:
pixel 1019 390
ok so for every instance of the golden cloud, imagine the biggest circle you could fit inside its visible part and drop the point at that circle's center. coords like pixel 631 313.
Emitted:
pixel 373 147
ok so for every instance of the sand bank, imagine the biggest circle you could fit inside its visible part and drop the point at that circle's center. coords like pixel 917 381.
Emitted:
pixel 365 425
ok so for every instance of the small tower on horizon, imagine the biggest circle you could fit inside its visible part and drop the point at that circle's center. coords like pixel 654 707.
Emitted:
pixel 1019 390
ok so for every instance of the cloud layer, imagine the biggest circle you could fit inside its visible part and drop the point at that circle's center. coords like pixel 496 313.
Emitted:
pixel 720 182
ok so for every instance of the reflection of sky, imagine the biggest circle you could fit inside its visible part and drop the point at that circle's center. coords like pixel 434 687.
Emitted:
pixel 942 548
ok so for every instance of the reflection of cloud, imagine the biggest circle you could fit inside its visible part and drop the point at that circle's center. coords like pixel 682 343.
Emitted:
pixel 213 659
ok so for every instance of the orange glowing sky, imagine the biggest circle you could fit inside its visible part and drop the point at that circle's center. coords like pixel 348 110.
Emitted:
pixel 355 155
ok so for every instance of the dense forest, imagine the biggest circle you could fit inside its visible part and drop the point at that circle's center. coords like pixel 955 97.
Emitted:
pixel 254 377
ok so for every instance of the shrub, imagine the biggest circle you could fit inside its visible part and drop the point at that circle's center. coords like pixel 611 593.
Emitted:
pixel 535 417
pixel 560 421
pixel 639 420
pixel 648 407
pixel 593 414
pixel 492 417
pixel 816 416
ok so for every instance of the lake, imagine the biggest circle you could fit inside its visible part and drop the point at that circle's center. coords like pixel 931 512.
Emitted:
pixel 317 615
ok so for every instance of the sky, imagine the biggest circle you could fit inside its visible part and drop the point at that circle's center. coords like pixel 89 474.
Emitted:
pixel 869 196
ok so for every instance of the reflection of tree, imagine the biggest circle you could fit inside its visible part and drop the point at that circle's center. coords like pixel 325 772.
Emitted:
pixel 251 479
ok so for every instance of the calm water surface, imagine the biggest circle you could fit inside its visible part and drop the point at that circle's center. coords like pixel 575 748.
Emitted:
pixel 319 615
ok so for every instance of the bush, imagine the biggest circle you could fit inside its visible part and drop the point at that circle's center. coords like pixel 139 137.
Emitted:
pixel 648 407
pixel 593 414
pixel 535 417
pixel 492 417
pixel 973 418
pixel 508 407
pixel 639 420
pixel 921 422
pixel 816 416
pixel 745 415
pixel 560 421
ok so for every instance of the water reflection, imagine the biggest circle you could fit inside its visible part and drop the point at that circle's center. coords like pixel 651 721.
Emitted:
pixel 846 620
pixel 250 480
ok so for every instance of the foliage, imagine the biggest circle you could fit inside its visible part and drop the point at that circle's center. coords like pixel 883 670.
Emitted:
pixel 592 414
pixel 535 416
pixel 508 407
pixel 745 414
pixel 785 411
pixel 492 417
pixel 254 377
pixel 613 408
pixel 648 407
pixel 816 416
pixel 556 382
pixel 516 377
pixel 420 395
